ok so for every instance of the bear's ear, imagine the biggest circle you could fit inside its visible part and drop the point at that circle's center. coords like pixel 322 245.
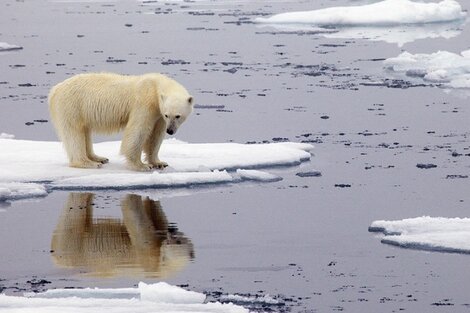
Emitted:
pixel 190 100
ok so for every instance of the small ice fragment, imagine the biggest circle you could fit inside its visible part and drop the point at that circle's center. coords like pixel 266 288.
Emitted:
pixel 309 174
pixel 426 233
pixel 8 47
pixel 255 175
pixel 6 136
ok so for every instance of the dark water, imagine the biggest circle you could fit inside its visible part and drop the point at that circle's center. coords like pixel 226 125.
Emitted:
pixel 303 239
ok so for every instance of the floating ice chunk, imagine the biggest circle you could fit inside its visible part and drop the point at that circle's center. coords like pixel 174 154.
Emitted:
pixel 465 54
pixel 16 191
pixel 86 293
pixel 191 164
pixel 139 180
pixel 8 47
pixel 231 156
pixel 399 34
pixel 410 21
pixel 160 297
pixel 437 76
pixel 383 13
pixel 427 233
pixel 256 175
pixel 6 136
pixel 164 293
pixel 158 293
pixel 442 67
pixel 460 82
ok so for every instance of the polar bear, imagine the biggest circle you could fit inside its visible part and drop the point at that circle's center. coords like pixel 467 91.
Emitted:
pixel 144 106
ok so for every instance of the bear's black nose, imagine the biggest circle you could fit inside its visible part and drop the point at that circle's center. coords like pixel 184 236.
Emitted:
pixel 170 132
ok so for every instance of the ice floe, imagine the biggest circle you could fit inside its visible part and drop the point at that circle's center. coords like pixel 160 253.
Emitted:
pixel 255 175
pixel 392 21
pixel 399 35
pixel 6 136
pixel 441 68
pixel 4 46
pixel 383 13
pixel 16 191
pixel 45 164
pixel 120 181
pixel 426 233
pixel 159 297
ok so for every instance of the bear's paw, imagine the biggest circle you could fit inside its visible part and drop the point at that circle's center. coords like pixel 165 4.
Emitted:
pixel 159 165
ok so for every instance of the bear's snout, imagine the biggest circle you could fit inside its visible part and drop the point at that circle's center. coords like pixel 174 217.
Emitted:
pixel 170 131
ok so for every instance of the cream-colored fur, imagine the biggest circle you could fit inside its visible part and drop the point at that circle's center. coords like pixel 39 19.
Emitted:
pixel 142 242
pixel 143 106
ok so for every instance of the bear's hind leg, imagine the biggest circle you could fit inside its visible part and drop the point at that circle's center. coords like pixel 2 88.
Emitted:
pixel 89 150
pixel 75 145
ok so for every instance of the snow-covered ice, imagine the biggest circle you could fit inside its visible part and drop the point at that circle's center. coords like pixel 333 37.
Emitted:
pixel 6 136
pixel 16 191
pixel 444 68
pixel 119 181
pixel 426 233
pixel 4 46
pixel 399 35
pixel 392 21
pixel 383 13
pixel 256 175
pixel 45 164
pixel 159 297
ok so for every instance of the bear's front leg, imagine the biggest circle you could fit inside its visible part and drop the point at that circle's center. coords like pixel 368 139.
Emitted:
pixel 153 143
pixel 135 135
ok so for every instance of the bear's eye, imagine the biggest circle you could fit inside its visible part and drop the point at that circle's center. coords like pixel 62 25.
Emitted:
pixel 166 115
pixel 177 116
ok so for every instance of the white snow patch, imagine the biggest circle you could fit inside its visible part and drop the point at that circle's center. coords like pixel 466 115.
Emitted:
pixel 399 35
pixel 136 181
pixel 442 67
pixel 4 46
pixel 383 13
pixel 427 233
pixel 392 21
pixel 16 191
pixel 159 297
pixel 165 293
pixel 6 136
pixel 256 175
pixel 190 164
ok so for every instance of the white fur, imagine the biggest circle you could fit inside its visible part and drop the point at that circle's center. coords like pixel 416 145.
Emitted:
pixel 144 106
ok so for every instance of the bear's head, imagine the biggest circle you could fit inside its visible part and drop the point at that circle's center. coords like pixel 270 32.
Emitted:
pixel 175 109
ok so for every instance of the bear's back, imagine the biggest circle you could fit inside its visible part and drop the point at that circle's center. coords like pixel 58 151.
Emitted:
pixel 99 100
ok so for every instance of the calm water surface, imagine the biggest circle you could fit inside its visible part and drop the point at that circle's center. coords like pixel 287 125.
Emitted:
pixel 303 239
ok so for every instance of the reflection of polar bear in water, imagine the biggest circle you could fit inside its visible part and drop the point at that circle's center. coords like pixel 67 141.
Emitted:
pixel 143 242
